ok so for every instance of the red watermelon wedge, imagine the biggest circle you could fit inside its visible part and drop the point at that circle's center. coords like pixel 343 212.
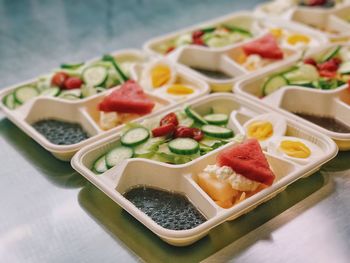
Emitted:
pixel 248 160
pixel 129 98
pixel 266 47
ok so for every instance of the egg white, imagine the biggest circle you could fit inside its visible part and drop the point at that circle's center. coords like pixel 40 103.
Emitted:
pixel 274 148
pixel 279 126
pixel 146 79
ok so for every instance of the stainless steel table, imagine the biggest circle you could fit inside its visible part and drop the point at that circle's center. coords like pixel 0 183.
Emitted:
pixel 49 213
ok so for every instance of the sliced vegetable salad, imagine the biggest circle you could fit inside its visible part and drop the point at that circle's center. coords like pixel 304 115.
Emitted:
pixel 71 82
pixel 214 37
pixel 178 137
pixel 327 71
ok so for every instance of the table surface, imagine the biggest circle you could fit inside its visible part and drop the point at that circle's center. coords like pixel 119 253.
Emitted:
pixel 49 213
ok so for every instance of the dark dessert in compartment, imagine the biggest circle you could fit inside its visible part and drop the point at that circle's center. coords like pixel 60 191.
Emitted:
pixel 170 210
pixel 60 132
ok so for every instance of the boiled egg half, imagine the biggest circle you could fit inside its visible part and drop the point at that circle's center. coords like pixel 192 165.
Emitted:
pixel 294 149
pixel 265 128
pixel 158 73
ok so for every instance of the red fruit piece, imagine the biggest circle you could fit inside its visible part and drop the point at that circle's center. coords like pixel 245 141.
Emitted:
pixel 316 2
pixel 59 78
pixel 198 41
pixel 330 65
pixel 248 160
pixel 186 132
pixel 164 130
pixel 73 83
pixel 197 34
pixel 310 61
pixel 169 118
pixel 266 47
pixel 327 74
pixel 348 85
pixel 129 98
pixel 169 49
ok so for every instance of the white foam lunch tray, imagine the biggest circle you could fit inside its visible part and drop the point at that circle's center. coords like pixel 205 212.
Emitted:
pixel 83 111
pixel 182 178
pixel 332 103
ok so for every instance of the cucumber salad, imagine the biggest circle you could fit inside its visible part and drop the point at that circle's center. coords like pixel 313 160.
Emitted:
pixel 326 71
pixel 176 138
pixel 214 37
pixel 71 82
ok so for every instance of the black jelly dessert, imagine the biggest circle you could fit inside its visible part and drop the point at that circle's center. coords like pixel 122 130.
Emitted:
pixel 60 132
pixel 170 210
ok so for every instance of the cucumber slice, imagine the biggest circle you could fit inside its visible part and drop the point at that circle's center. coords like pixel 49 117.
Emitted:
pixel 117 155
pixel 194 115
pixel 238 30
pixel 149 147
pixel 10 101
pixel 216 118
pixel 330 54
pixel 87 91
pixel 135 136
pixel 274 83
pixel 72 65
pixel 100 165
pixel 344 68
pixel 184 146
pixel 111 59
pixel 69 97
pixel 52 92
pixel 305 72
pixel 187 122
pixel 73 92
pixel 217 131
pixel 25 93
pixel 307 84
pixel 95 75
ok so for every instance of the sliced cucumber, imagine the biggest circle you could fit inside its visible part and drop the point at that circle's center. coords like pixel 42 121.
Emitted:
pixel 274 83
pixel 187 122
pixel 149 147
pixel 330 54
pixel 238 30
pixel 307 84
pixel 117 155
pixel 216 118
pixel 10 101
pixel 111 59
pixel 74 92
pixel 69 97
pixel 95 75
pixel 25 93
pixel 184 146
pixel 344 68
pixel 135 136
pixel 87 91
pixel 217 131
pixel 194 115
pixel 100 165
pixel 305 72
pixel 52 92
pixel 72 66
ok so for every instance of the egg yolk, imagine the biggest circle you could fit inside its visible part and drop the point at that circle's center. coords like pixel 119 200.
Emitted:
pixel 260 130
pixel 160 75
pixel 297 38
pixel 295 149
pixel 276 32
pixel 178 89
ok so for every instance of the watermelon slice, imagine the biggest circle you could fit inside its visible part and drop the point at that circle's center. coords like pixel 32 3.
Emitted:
pixel 248 160
pixel 266 47
pixel 129 98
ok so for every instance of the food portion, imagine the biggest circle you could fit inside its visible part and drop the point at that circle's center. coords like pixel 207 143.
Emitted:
pixel 71 82
pixel 214 74
pixel 294 149
pixel 170 210
pixel 260 53
pixel 318 3
pixel 124 104
pixel 326 71
pixel 211 37
pixel 265 128
pixel 176 138
pixel 161 77
pixel 240 171
pixel 328 123
pixel 60 132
